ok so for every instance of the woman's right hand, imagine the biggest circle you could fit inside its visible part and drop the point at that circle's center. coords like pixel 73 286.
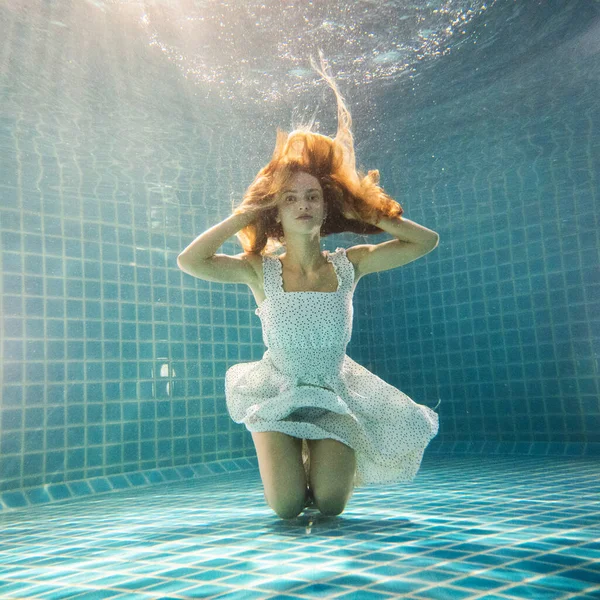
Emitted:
pixel 249 214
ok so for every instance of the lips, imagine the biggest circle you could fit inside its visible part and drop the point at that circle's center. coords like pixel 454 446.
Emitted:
pixel 305 217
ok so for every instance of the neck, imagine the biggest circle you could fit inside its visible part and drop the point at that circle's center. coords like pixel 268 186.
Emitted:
pixel 304 255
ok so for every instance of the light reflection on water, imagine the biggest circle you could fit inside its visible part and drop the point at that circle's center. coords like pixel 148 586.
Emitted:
pixel 257 52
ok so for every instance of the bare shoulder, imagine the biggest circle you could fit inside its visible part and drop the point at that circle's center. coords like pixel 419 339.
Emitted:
pixel 355 254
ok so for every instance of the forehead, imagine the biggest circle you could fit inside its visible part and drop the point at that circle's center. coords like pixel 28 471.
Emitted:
pixel 303 179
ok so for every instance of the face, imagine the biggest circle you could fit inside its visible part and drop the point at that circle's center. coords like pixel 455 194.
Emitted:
pixel 302 195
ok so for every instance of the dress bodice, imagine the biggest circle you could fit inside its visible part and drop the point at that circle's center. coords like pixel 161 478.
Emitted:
pixel 320 322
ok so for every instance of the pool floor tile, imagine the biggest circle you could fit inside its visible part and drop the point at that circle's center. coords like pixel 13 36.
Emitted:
pixel 468 527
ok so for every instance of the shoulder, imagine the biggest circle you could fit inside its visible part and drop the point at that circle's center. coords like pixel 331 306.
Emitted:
pixel 256 260
pixel 354 256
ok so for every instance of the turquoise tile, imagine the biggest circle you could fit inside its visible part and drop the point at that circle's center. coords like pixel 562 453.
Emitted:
pixel 245 594
pixel 477 583
pixel 14 499
pixel 443 593
pixel 364 595
pixel 532 592
pixel 353 580
pixel 207 590
pixel 320 590
pixel 59 492
pixel 282 584
pixel 399 586
pixel 565 583
pixel 208 575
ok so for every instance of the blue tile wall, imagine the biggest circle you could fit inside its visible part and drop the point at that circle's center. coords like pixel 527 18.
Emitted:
pixel 113 360
pixel 501 321
pixel 50 493
pixel 110 363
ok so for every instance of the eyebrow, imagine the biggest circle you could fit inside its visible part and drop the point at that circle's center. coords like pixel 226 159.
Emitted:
pixel 296 191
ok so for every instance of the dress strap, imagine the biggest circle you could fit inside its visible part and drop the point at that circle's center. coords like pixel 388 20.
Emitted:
pixel 344 268
pixel 271 276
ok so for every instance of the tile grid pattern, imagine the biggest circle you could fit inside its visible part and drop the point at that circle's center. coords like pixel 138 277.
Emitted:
pixel 500 321
pixel 466 528
pixel 57 492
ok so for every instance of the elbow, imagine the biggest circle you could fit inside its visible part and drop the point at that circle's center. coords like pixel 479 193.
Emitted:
pixel 181 261
pixel 189 263
pixel 430 246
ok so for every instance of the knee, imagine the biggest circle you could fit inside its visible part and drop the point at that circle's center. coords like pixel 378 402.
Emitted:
pixel 288 511
pixel 287 507
pixel 331 505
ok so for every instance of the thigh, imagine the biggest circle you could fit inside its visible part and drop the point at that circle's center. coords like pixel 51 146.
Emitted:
pixel 332 469
pixel 282 471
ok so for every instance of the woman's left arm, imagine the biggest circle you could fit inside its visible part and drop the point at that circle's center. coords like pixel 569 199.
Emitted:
pixel 408 231
pixel 412 241
pixel 402 229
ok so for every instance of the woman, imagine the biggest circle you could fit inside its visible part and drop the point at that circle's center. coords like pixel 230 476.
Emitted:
pixel 321 423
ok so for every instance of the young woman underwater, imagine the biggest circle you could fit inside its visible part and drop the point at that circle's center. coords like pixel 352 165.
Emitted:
pixel 322 424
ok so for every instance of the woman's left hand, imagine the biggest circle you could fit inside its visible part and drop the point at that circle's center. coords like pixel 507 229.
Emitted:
pixel 352 215
pixel 349 213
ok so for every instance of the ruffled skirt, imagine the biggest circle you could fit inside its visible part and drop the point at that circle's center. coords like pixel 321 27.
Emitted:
pixel 387 430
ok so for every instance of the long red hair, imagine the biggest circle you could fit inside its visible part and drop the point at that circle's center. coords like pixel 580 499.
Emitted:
pixel 332 162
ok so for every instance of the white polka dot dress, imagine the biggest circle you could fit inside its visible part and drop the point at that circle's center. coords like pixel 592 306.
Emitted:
pixel 307 387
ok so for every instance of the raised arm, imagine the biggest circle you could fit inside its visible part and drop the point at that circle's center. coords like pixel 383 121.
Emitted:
pixel 199 258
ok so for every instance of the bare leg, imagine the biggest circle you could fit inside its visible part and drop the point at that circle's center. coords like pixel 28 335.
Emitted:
pixel 332 468
pixel 281 471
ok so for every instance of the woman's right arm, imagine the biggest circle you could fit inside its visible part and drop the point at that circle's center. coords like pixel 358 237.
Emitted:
pixel 199 258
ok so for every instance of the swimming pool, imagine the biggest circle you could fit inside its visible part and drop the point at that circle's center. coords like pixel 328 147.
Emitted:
pixel 127 128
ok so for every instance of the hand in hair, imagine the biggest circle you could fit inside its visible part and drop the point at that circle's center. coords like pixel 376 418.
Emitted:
pixel 349 212
pixel 251 212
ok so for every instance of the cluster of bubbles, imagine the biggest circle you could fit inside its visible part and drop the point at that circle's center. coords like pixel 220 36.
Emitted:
pixel 258 51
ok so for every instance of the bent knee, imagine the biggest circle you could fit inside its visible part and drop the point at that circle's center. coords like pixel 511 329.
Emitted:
pixel 287 505
pixel 331 506
pixel 289 509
